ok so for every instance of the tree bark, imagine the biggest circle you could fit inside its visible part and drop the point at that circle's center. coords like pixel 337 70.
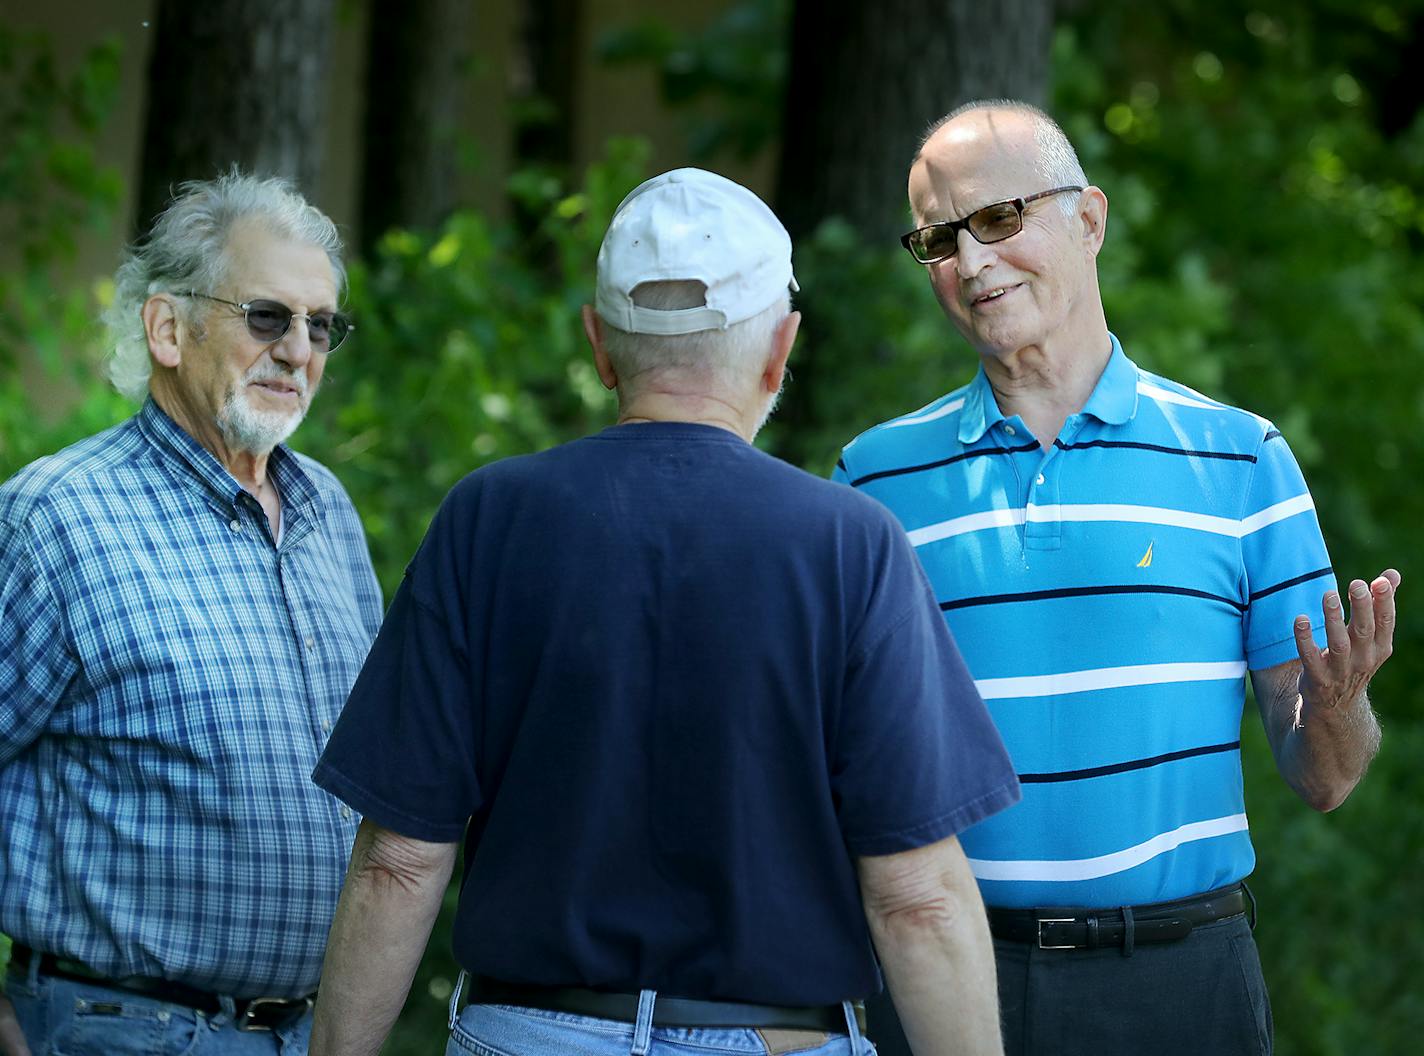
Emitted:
pixel 867 78
pixel 418 63
pixel 235 82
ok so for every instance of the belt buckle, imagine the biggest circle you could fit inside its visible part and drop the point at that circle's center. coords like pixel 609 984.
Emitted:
pixel 247 1021
pixel 1053 920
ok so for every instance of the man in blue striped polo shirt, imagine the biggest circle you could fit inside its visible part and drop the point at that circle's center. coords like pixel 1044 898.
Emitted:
pixel 1114 553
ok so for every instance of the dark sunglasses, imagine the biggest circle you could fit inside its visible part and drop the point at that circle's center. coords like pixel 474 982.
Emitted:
pixel 269 321
pixel 993 223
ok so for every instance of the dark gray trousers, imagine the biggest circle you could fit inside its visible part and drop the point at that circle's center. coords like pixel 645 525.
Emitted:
pixel 1204 994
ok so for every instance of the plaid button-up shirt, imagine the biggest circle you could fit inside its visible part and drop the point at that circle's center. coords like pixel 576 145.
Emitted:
pixel 168 678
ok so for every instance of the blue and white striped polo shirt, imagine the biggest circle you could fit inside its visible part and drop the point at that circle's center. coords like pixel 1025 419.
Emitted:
pixel 1109 595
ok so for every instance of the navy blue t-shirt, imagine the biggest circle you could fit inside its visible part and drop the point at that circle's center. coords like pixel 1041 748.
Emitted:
pixel 666 686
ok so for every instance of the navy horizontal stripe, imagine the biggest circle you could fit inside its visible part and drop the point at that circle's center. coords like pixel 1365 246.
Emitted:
pixel 1271 435
pixel 1294 581
pixel 1121 768
pixel 1232 456
pixel 943 462
pixel 1083 592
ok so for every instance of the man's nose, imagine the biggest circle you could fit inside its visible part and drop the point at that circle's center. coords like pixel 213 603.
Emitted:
pixel 295 345
pixel 971 256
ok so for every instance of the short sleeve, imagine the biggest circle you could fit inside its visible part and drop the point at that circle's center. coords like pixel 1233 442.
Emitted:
pixel 36 663
pixel 404 750
pixel 917 757
pixel 1286 566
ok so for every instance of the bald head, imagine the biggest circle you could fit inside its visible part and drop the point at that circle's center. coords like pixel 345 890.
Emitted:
pixel 1024 137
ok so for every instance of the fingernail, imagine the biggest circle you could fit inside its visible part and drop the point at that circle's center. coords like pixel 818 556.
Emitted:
pixel 1302 623
pixel 1333 599
pixel 1358 590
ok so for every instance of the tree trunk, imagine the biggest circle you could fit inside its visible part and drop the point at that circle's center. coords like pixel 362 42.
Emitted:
pixel 867 78
pixel 235 82
pixel 418 63
pixel 547 104
pixel 865 81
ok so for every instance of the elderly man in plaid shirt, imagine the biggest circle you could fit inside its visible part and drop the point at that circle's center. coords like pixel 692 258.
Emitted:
pixel 184 605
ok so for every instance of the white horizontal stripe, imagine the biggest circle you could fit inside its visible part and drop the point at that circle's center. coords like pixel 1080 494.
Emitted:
pixel 1109 511
pixel 928 416
pixel 1279 512
pixel 1107 678
pixel 1085 512
pixel 1168 396
pixel 1107 864
pixel 973 522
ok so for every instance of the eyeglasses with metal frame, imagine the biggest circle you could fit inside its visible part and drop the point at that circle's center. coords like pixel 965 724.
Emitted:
pixel 993 223
pixel 269 321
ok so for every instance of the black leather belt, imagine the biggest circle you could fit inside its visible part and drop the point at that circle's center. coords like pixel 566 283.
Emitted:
pixel 667 1011
pixel 253 1013
pixel 1052 928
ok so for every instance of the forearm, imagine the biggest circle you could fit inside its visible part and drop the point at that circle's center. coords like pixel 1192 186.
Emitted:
pixel 393 891
pixel 938 961
pixel 1323 751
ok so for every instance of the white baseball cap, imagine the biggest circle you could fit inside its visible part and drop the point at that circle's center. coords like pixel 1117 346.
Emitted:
pixel 692 225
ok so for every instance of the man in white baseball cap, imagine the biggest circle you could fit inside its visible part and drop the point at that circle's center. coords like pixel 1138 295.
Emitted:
pixel 693 712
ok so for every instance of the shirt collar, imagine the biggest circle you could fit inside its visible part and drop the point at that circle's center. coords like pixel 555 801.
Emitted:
pixel 190 458
pixel 1113 400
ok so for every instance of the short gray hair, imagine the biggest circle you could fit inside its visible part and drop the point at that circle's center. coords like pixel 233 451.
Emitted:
pixel 725 359
pixel 1058 162
pixel 185 250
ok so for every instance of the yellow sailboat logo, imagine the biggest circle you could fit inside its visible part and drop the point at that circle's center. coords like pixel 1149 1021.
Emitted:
pixel 1147 557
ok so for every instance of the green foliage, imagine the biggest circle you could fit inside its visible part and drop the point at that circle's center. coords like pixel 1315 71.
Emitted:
pixel 52 191
pixel 463 355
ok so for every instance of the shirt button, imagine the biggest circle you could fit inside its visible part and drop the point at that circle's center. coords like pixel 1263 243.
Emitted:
pixel 1040 478
pixel 1010 430
pixel 326 725
pixel 311 642
pixel 235 525
pixel 346 812
pixel 164 1016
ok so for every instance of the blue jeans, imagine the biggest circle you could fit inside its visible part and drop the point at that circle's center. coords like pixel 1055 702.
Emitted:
pixel 503 1030
pixel 62 1017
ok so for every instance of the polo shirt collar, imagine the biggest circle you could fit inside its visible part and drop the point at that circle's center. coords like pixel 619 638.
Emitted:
pixel 195 462
pixel 1113 400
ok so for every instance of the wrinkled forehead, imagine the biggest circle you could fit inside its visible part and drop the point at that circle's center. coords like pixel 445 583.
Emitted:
pixel 972 162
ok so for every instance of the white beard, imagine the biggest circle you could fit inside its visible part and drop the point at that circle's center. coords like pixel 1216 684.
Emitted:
pixel 245 428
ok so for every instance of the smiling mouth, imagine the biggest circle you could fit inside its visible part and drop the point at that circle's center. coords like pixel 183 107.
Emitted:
pixel 994 294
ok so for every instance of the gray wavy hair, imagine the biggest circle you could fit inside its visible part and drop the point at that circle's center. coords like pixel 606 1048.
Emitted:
pixel 184 251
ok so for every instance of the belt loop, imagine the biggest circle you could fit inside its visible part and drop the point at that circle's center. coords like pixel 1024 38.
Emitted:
pixel 455 998
pixel 227 1011
pixel 32 970
pixel 852 1027
pixel 643 1028
pixel 1129 932
pixel 1251 900
pixel 1092 931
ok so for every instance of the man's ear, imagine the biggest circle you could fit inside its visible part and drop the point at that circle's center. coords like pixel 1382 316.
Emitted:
pixel 593 330
pixel 1093 214
pixel 781 342
pixel 163 328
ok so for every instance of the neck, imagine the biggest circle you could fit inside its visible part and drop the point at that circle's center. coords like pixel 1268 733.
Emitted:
pixel 698 409
pixel 1044 384
pixel 248 468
